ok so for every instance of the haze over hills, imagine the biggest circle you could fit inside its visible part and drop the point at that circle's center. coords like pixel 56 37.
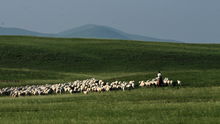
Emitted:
pixel 98 31
pixel 85 31
pixel 19 31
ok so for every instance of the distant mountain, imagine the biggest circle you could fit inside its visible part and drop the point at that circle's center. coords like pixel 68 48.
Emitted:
pixel 86 31
pixel 97 31
pixel 23 32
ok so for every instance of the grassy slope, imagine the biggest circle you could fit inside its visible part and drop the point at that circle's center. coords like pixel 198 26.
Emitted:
pixel 32 60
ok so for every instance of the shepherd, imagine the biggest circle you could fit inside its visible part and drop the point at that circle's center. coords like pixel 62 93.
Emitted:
pixel 159 79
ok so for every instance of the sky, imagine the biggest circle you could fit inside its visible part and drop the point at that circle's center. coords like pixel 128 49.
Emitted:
pixel 184 20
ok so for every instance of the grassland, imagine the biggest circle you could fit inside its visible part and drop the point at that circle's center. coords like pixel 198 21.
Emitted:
pixel 35 60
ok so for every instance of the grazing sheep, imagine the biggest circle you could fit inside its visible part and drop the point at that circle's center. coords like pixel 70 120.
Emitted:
pixel 85 92
pixel 141 83
pixel 153 82
pixel 179 82
pixel 84 86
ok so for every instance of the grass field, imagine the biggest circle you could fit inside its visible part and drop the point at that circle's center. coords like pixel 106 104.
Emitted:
pixel 35 60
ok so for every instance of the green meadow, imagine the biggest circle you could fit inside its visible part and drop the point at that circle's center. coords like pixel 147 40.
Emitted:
pixel 37 60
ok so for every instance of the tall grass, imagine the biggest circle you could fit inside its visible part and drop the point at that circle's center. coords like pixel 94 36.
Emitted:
pixel 145 105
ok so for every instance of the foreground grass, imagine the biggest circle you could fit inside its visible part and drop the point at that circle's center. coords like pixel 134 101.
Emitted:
pixel 144 105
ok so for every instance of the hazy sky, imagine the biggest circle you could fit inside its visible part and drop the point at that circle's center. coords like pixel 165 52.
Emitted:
pixel 187 20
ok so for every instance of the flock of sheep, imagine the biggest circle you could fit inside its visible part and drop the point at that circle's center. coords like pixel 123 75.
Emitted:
pixel 153 82
pixel 84 86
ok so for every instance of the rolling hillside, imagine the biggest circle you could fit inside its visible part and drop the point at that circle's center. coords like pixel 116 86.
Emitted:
pixel 104 32
pixel 38 60
pixel 85 31
pixel 21 32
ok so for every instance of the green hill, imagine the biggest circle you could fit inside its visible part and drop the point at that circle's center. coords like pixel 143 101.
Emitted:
pixel 36 60
pixel 43 59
